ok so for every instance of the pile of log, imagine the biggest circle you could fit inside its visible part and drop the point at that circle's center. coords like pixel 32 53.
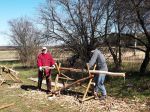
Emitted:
pixel 8 72
pixel 89 79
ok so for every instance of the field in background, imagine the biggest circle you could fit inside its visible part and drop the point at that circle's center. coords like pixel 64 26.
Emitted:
pixel 9 55
pixel 6 55
pixel 131 60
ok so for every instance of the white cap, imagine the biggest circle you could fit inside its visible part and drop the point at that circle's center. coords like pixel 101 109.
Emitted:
pixel 44 48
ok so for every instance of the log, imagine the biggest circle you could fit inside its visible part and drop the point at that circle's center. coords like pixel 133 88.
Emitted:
pixel 13 71
pixel 7 105
pixel 87 98
pixel 17 79
pixel 107 73
pixel 72 69
pixel 76 82
pixel 65 78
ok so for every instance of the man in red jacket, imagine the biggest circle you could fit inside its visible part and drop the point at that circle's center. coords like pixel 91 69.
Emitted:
pixel 45 59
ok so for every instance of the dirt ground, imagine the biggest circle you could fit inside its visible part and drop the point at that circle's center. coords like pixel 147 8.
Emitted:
pixel 27 99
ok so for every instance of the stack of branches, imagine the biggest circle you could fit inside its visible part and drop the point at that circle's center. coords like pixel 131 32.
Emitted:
pixel 8 73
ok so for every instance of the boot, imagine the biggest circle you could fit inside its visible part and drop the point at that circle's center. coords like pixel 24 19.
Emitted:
pixel 40 78
pixel 39 86
pixel 103 97
pixel 96 96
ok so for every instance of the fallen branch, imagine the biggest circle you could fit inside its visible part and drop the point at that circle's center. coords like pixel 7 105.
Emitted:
pixel 107 73
pixel 6 105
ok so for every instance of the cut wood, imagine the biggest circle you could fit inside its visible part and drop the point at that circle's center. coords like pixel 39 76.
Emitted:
pixel 6 105
pixel 107 73
pixel 10 72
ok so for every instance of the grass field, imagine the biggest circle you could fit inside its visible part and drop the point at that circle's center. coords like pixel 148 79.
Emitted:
pixel 127 96
pixel 133 93
pixel 9 55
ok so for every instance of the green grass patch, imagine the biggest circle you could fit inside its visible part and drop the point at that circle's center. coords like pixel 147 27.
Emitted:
pixel 135 86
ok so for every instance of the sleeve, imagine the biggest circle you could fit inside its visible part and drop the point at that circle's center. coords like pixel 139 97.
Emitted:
pixel 93 59
pixel 52 62
pixel 39 62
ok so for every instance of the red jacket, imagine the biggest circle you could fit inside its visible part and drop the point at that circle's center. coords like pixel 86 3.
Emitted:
pixel 45 60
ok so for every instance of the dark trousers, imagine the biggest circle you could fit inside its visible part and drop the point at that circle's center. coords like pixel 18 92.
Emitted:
pixel 40 79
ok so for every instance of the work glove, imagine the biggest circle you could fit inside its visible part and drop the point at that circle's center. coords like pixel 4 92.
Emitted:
pixel 84 70
pixel 53 66
pixel 40 68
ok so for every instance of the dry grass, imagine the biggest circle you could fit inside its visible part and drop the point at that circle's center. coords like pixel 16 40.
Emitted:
pixel 9 55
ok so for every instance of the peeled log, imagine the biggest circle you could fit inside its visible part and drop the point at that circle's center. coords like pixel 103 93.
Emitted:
pixel 72 69
pixel 107 73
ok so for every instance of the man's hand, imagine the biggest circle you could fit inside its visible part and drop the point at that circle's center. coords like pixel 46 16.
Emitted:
pixel 84 70
pixel 40 68
pixel 53 66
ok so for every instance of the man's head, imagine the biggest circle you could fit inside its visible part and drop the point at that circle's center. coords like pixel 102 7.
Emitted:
pixel 44 50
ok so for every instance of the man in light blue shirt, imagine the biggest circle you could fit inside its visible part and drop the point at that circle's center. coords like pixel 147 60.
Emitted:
pixel 99 59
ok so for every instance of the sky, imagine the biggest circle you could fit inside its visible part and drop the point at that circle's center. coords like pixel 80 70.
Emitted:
pixel 13 9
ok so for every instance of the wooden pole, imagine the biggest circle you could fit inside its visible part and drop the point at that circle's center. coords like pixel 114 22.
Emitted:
pixel 107 73
pixel 87 89
pixel 1 70
pixel 72 69
pixel 7 105
pixel 89 84
pixel 18 80
pixel 57 76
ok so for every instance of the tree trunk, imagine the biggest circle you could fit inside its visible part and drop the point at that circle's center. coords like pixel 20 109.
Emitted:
pixel 145 61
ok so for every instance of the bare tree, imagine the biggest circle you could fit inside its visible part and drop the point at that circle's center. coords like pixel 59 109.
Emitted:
pixel 26 39
pixel 119 24
pixel 138 19
pixel 109 24
pixel 128 16
pixel 80 24
pixel 75 22
pixel 142 11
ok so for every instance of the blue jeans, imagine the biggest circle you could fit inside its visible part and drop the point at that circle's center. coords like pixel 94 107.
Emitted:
pixel 99 80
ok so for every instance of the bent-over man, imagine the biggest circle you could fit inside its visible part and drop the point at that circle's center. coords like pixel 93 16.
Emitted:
pixel 99 59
